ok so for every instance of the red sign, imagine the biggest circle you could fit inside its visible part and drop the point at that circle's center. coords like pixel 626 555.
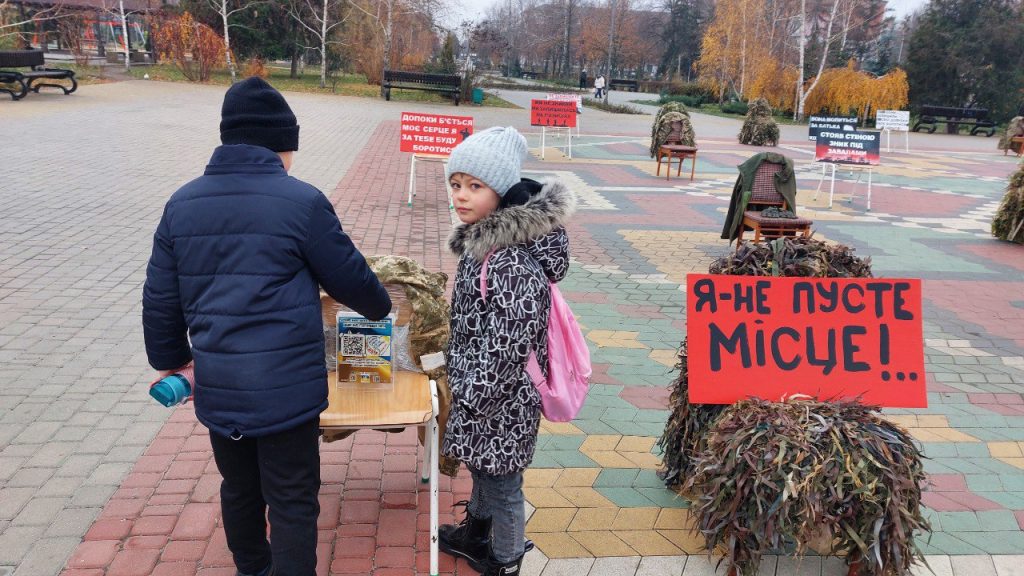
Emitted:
pixel 432 133
pixel 553 113
pixel 828 338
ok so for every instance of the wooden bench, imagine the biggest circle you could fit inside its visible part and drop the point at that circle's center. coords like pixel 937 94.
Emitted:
pixel 24 81
pixel 444 83
pixel 630 85
pixel 953 118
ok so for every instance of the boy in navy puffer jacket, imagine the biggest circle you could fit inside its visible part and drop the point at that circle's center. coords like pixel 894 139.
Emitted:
pixel 238 259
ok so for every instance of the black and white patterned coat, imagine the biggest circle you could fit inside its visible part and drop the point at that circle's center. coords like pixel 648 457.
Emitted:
pixel 495 412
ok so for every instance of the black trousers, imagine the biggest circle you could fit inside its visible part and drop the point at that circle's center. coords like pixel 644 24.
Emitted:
pixel 280 472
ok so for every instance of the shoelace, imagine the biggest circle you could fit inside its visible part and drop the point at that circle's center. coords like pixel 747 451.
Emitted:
pixel 465 508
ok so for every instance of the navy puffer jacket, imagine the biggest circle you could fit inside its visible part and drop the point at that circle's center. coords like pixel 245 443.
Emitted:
pixel 237 260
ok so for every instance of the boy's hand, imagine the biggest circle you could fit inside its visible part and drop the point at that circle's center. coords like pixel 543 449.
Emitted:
pixel 165 373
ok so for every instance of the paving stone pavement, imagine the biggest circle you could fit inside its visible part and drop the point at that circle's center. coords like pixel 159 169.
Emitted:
pixel 95 479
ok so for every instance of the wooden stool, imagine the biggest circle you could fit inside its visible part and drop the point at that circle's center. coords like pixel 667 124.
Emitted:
pixel 677 151
pixel 1019 141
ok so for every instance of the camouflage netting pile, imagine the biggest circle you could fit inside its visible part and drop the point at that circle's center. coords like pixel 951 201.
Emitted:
pixel 418 295
pixel 759 128
pixel 662 127
pixel 1015 128
pixel 767 477
pixel 1008 223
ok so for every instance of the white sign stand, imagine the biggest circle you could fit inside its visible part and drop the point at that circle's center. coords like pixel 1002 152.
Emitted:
pixel 412 176
pixel 889 121
pixel 888 133
pixel 832 184
pixel 544 134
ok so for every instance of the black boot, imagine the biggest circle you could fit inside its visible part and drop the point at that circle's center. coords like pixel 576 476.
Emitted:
pixel 495 568
pixel 470 539
pixel 268 571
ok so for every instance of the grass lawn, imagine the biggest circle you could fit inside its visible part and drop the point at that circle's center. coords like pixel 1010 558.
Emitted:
pixel 342 84
pixel 85 74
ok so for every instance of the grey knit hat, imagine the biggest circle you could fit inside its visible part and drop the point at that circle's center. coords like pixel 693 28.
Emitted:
pixel 494 156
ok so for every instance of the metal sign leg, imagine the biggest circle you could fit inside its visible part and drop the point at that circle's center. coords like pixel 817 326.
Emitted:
pixel 832 186
pixel 870 170
pixel 412 181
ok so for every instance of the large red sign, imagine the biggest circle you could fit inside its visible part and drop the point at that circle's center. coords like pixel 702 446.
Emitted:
pixel 828 338
pixel 433 133
pixel 553 113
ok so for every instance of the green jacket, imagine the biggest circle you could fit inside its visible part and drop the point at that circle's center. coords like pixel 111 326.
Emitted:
pixel 785 183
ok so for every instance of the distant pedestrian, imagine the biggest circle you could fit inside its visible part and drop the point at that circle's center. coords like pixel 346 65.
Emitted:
pixel 599 87
pixel 583 78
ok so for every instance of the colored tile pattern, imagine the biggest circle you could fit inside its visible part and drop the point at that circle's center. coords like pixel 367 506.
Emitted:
pixel 592 487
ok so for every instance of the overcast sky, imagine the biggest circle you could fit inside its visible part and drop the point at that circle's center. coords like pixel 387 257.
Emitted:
pixel 474 9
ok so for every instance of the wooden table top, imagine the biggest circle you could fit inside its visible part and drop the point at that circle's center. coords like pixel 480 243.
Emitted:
pixel 407 404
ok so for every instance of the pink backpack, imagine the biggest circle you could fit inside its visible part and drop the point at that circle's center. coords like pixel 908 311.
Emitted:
pixel 562 393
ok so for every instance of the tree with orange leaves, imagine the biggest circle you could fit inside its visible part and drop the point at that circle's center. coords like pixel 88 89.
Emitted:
pixel 851 90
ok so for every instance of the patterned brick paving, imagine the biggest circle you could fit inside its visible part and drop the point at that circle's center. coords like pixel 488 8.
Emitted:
pixel 138 482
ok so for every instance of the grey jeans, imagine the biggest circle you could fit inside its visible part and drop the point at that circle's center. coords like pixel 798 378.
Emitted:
pixel 500 498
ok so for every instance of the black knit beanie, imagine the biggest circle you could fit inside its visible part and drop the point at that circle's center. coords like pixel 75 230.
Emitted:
pixel 255 113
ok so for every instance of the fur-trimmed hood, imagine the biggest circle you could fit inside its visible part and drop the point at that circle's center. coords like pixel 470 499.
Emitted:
pixel 543 213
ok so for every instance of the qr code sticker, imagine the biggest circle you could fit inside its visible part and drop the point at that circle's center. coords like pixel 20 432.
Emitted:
pixel 378 346
pixel 353 345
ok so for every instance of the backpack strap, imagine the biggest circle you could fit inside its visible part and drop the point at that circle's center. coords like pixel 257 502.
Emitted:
pixel 483 275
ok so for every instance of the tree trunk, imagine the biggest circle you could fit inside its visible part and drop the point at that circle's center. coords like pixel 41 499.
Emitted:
pixel 567 29
pixel 743 52
pixel 611 48
pixel 124 34
pixel 323 49
pixel 295 61
pixel 801 94
pixel 227 40
pixel 387 46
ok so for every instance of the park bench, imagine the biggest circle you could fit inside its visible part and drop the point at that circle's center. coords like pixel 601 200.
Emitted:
pixel 622 83
pixel 444 83
pixel 26 80
pixel 953 118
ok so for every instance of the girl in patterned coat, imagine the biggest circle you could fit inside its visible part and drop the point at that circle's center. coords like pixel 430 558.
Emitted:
pixel 517 226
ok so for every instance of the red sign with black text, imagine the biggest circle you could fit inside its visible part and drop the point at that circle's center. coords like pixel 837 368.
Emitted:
pixel 553 113
pixel 830 338
pixel 433 133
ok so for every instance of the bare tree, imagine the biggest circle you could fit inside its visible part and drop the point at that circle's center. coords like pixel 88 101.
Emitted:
pixel 801 94
pixel 13 28
pixel 569 15
pixel 318 21
pixel 118 11
pixel 383 14
pixel 617 9
pixel 221 6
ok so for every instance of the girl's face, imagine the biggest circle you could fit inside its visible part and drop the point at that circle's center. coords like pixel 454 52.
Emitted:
pixel 472 198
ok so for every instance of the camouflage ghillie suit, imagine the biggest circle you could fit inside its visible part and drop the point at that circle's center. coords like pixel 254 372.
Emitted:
pixel 1008 223
pixel 663 131
pixel 1015 128
pixel 419 296
pixel 759 128
pixel 659 131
